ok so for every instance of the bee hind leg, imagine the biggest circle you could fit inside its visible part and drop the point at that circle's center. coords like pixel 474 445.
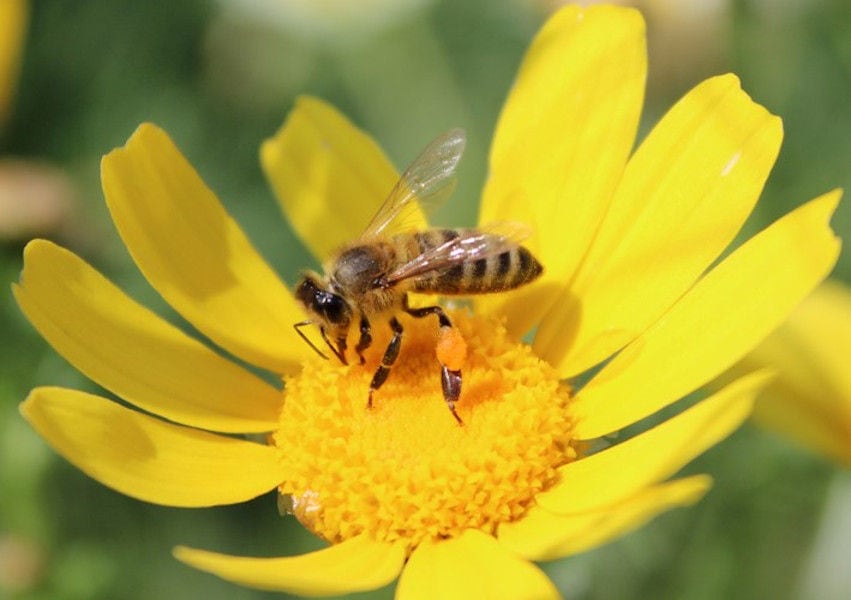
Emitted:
pixel 451 352
pixel 390 356
pixel 451 383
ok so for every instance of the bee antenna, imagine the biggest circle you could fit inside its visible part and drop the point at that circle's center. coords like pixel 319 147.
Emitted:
pixel 298 326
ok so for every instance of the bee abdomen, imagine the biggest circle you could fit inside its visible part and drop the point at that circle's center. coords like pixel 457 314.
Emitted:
pixel 501 272
pixel 432 238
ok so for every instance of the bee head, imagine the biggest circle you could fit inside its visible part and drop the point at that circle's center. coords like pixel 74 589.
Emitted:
pixel 331 308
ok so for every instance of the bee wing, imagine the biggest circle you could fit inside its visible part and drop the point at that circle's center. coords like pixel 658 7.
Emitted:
pixel 470 245
pixel 428 180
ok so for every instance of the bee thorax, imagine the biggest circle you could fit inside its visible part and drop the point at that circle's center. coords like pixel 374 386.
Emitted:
pixel 357 269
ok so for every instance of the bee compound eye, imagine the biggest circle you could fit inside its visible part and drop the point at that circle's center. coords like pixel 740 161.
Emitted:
pixel 305 292
pixel 334 308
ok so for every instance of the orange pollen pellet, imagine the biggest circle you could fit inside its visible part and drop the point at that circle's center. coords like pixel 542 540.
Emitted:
pixel 451 348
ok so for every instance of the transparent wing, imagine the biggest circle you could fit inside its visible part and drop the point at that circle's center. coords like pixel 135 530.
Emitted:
pixel 429 180
pixel 470 245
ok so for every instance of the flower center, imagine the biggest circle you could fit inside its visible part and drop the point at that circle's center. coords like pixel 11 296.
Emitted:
pixel 405 469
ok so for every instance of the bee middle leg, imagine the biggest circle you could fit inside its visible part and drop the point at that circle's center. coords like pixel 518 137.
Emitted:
pixel 450 379
pixel 365 340
pixel 390 356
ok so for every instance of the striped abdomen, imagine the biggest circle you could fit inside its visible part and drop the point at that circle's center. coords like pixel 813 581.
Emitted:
pixel 500 272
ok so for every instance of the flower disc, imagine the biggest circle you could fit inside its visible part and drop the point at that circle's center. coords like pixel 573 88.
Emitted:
pixel 405 469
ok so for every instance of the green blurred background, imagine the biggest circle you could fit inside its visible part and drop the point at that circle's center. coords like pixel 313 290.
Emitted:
pixel 220 77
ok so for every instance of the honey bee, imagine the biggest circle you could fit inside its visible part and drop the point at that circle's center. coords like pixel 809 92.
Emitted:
pixel 371 277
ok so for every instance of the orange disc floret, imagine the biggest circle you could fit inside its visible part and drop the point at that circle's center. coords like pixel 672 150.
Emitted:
pixel 404 470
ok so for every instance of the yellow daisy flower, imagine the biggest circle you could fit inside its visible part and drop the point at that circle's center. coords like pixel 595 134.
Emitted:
pixel 630 245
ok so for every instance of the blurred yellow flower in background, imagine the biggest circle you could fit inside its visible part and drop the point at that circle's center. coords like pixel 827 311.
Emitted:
pixel 13 26
pixel 630 243
pixel 35 198
pixel 809 400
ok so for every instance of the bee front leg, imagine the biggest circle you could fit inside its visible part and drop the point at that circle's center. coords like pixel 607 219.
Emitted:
pixel 365 340
pixel 390 356
pixel 451 352
pixel 340 349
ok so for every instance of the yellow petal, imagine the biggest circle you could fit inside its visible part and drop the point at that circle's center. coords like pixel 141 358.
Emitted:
pixel 618 472
pixel 146 458
pixel 810 400
pixel 13 25
pixel 329 176
pixel 542 535
pixel 132 352
pixel 356 565
pixel 724 316
pixel 562 141
pixel 473 565
pixel 195 254
pixel 684 195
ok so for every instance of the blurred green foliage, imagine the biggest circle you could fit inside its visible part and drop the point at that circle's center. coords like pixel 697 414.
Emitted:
pixel 220 82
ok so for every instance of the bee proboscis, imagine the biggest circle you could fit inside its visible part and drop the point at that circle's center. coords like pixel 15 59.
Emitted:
pixel 371 277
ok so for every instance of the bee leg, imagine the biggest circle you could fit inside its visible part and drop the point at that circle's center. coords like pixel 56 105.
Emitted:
pixel 390 356
pixel 425 311
pixel 365 340
pixel 340 349
pixel 451 383
pixel 451 352
pixel 297 327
